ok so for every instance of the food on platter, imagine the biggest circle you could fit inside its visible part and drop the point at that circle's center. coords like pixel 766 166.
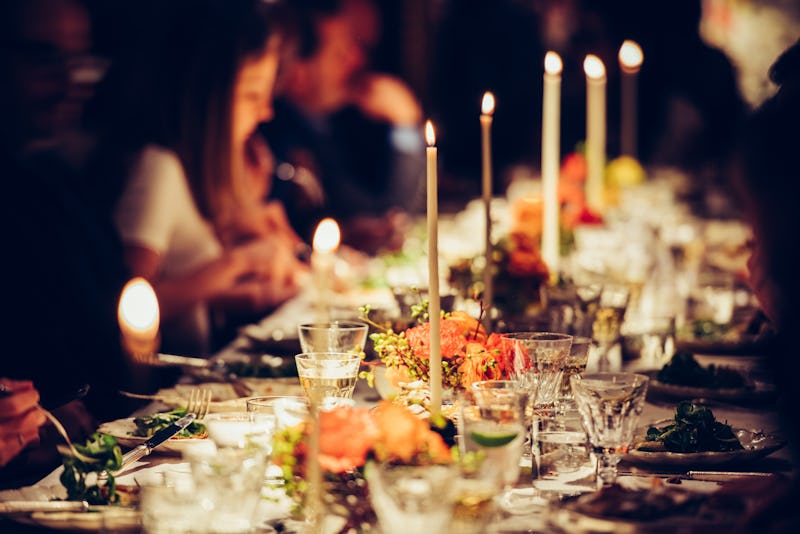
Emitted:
pixel 148 425
pixel 81 477
pixel 684 370
pixel 694 429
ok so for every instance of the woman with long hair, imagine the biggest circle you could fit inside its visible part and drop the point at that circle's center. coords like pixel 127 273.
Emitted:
pixel 189 118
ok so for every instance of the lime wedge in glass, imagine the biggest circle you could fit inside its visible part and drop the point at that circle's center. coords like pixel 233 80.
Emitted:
pixel 493 439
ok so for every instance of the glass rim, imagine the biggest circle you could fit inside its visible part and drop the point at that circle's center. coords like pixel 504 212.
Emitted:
pixel 600 376
pixel 340 325
pixel 537 336
pixel 327 356
pixel 262 400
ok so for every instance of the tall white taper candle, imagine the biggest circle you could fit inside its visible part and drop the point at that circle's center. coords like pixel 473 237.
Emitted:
pixel 433 273
pixel 630 61
pixel 551 132
pixel 595 131
pixel 487 108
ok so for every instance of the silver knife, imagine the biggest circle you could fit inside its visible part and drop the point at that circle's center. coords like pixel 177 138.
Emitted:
pixel 708 476
pixel 156 439
pixel 25 507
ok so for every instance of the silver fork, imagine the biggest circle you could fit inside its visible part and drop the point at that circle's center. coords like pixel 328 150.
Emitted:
pixel 199 402
pixel 196 409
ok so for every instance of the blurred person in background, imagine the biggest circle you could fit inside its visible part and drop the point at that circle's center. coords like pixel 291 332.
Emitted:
pixel 63 269
pixel 769 189
pixel 187 112
pixel 348 141
pixel 690 105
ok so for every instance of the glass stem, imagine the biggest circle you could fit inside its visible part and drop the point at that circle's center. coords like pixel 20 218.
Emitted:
pixel 607 468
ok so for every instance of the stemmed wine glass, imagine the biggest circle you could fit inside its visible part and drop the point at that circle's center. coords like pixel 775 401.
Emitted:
pixel 610 405
pixel 539 359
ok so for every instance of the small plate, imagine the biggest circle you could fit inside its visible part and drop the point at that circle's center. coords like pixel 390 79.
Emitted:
pixel 760 392
pixel 122 430
pixel 756 445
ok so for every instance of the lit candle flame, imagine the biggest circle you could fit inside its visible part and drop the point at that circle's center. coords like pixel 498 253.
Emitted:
pixel 630 56
pixel 487 104
pixel 138 317
pixel 138 306
pixel 430 136
pixel 327 236
pixel 594 68
pixel 552 63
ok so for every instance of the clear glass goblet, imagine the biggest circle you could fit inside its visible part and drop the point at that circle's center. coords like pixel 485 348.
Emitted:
pixel 610 405
pixel 539 362
pixel 335 336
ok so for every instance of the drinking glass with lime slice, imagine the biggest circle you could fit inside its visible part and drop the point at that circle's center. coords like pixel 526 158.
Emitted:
pixel 492 430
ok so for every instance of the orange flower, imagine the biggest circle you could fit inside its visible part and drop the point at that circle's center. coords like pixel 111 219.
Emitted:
pixel 404 437
pixel 479 364
pixel 470 327
pixel 347 435
pixel 453 341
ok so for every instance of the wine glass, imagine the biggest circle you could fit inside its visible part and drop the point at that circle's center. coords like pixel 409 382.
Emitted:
pixel 610 405
pixel 326 375
pixel 575 365
pixel 336 336
pixel 539 361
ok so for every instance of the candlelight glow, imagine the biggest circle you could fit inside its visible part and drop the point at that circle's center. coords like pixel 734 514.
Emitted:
pixel 138 307
pixel 552 63
pixel 430 136
pixel 594 68
pixel 487 104
pixel 630 56
pixel 327 236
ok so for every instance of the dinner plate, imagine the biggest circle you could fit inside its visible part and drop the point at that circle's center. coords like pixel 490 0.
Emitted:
pixel 572 517
pixel 760 392
pixel 122 430
pixel 756 443
pixel 100 519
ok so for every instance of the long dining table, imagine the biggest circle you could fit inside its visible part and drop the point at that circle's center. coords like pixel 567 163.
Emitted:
pixel 278 329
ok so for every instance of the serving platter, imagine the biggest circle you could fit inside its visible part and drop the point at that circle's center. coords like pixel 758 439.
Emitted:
pixel 757 392
pixel 756 444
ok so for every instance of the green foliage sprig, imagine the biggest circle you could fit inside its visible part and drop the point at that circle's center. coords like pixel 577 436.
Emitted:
pixel 83 480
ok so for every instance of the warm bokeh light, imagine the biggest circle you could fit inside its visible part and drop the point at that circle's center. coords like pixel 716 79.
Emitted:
pixel 327 236
pixel 430 136
pixel 487 104
pixel 630 56
pixel 552 63
pixel 594 68
pixel 138 308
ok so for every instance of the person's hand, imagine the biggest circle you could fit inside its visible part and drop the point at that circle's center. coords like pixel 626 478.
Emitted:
pixel 276 223
pixel 20 417
pixel 274 267
pixel 387 98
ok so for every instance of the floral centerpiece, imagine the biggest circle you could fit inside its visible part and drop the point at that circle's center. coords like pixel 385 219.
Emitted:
pixel 349 438
pixel 518 274
pixel 468 353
